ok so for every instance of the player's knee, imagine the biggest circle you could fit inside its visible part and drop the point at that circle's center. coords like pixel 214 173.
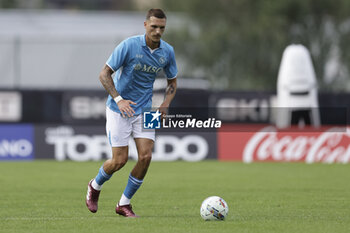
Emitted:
pixel 119 163
pixel 145 157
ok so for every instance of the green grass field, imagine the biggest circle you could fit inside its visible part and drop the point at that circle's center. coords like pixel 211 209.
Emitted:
pixel 48 196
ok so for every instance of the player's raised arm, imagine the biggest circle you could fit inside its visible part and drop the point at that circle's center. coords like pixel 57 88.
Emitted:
pixel 169 96
pixel 107 82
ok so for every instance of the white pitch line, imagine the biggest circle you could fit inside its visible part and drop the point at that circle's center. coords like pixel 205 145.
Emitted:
pixel 49 218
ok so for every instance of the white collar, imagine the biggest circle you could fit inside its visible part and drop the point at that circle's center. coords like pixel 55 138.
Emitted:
pixel 152 50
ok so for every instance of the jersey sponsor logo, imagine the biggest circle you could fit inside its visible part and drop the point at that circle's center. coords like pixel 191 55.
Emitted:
pixel 147 68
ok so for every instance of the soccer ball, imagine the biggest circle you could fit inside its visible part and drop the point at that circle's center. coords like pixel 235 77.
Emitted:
pixel 214 208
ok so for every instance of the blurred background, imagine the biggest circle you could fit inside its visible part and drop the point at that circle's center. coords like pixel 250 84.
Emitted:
pixel 229 55
pixel 234 44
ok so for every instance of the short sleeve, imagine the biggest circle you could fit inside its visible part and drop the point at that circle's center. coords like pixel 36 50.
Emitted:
pixel 118 57
pixel 171 68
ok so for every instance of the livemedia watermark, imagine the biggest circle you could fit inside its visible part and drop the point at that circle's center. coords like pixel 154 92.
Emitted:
pixel 247 119
pixel 153 120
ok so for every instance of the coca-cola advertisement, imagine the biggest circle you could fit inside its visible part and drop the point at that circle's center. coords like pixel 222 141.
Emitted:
pixel 321 145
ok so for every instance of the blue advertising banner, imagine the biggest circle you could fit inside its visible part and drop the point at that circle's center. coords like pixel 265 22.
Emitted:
pixel 16 142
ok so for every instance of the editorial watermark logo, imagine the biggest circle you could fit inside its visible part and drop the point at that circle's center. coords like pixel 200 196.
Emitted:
pixel 151 120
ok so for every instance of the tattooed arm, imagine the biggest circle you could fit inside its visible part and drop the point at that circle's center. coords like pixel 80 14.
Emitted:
pixel 169 96
pixel 107 82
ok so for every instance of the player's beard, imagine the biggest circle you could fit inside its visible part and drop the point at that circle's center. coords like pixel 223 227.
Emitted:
pixel 156 38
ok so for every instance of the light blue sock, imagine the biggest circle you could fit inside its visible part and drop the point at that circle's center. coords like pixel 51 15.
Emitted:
pixel 102 176
pixel 132 186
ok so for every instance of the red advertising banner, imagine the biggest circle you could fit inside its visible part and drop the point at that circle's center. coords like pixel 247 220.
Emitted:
pixel 267 143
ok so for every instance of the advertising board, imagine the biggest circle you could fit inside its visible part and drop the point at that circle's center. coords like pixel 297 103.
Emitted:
pixel 324 145
pixel 89 143
pixel 16 142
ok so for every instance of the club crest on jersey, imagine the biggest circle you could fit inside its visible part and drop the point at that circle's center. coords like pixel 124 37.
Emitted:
pixel 162 60
pixel 138 66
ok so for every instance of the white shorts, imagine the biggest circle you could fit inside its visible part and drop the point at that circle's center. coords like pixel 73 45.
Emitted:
pixel 119 129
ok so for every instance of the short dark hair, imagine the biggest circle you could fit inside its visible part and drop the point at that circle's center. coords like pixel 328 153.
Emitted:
pixel 158 13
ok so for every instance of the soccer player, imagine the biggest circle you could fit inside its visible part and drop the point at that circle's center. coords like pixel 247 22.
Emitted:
pixel 136 61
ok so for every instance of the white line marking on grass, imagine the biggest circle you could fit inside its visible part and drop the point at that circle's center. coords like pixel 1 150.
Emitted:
pixel 50 218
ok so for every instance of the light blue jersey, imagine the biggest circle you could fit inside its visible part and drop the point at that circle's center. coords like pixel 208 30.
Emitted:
pixel 136 68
